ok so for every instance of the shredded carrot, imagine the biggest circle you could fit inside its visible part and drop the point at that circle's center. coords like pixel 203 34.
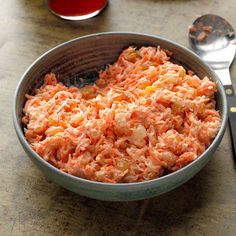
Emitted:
pixel 145 117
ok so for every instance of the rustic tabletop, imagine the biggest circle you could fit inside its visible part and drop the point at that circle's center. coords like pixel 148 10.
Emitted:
pixel 31 205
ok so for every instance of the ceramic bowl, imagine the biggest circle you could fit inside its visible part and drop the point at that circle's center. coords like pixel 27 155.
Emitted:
pixel 82 57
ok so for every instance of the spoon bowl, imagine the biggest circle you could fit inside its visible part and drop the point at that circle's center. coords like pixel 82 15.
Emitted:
pixel 217 46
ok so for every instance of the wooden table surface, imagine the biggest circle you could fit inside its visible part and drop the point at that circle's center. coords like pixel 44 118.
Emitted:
pixel 31 205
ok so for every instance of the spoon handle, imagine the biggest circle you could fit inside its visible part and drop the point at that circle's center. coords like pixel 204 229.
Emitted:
pixel 231 99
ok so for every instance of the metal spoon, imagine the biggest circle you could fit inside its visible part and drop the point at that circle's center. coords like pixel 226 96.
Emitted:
pixel 213 39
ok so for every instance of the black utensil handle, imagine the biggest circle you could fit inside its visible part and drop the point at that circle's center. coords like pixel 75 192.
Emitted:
pixel 231 99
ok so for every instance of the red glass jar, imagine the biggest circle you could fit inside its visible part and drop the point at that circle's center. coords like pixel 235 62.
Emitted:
pixel 76 9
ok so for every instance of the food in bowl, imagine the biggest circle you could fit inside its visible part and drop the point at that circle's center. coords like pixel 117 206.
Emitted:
pixel 144 117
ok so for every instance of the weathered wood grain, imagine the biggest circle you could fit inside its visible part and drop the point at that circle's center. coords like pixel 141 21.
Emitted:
pixel 31 205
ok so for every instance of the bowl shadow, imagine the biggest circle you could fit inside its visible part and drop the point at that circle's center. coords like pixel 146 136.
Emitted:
pixel 80 215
